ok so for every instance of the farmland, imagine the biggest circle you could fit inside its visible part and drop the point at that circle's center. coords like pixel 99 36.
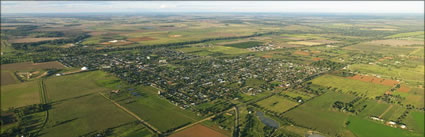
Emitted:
pixel 212 74
pixel 368 89
pixel 93 114
pixel 18 95
pixel 317 114
pixel 8 70
pixel 154 113
pixel 81 89
pixel 198 130
pixel 77 85
pixel 368 128
pixel 408 74
pixel 415 119
pixel 277 104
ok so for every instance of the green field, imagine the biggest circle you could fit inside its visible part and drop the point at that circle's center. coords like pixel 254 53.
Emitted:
pixel 415 121
pixel 318 115
pixel 133 129
pixel 295 94
pixel 83 115
pixel 245 97
pixel 418 35
pixel 388 50
pixel 18 95
pixel 75 85
pixel 368 128
pixel 155 110
pixel 373 108
pixel 78 109
pixel 277 104
pixel 371 90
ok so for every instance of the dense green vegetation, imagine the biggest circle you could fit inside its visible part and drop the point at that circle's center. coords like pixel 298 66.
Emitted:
pixel 245 45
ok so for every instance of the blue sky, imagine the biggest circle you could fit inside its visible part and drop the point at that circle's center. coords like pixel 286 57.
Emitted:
pixel 213 6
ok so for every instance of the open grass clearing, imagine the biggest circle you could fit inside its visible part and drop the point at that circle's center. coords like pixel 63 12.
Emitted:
pixel 295 94
pixel 277 104
pixel 18 95
pixel 415 121
pixel 368 128
pixel 79 84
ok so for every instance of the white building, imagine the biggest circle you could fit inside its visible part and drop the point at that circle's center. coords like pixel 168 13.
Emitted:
pixel 84 68
pixel 391 123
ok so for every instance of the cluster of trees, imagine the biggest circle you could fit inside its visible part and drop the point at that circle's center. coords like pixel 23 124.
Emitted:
pixel 219 106
pixel 22 116
pixel 328 64
pixel 344 106
pixel 21 30
pixel 26 46
pixel 249 125
pixel 50 34
pixel 26 110
pixel 345 73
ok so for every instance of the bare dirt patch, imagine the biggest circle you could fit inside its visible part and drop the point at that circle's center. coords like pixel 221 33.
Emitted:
pixel 141 39
pixel 267 56
pixel 7 78
pixel 315 51
pixel 305 43
pixel 198 131
pixel 384 58
pixel 316 59
pixel 404 88
pixel 302 53
pixel 175 36
pixel 375 80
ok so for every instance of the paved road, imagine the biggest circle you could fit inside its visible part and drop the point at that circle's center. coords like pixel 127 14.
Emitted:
pixel 134 115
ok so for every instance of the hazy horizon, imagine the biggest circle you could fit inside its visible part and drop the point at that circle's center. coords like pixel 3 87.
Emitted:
pixel 351 7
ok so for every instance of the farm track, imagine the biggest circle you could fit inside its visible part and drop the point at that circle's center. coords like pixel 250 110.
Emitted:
pixel 236 133
pixel 44 101
pixel 134 115
pixel 388 109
